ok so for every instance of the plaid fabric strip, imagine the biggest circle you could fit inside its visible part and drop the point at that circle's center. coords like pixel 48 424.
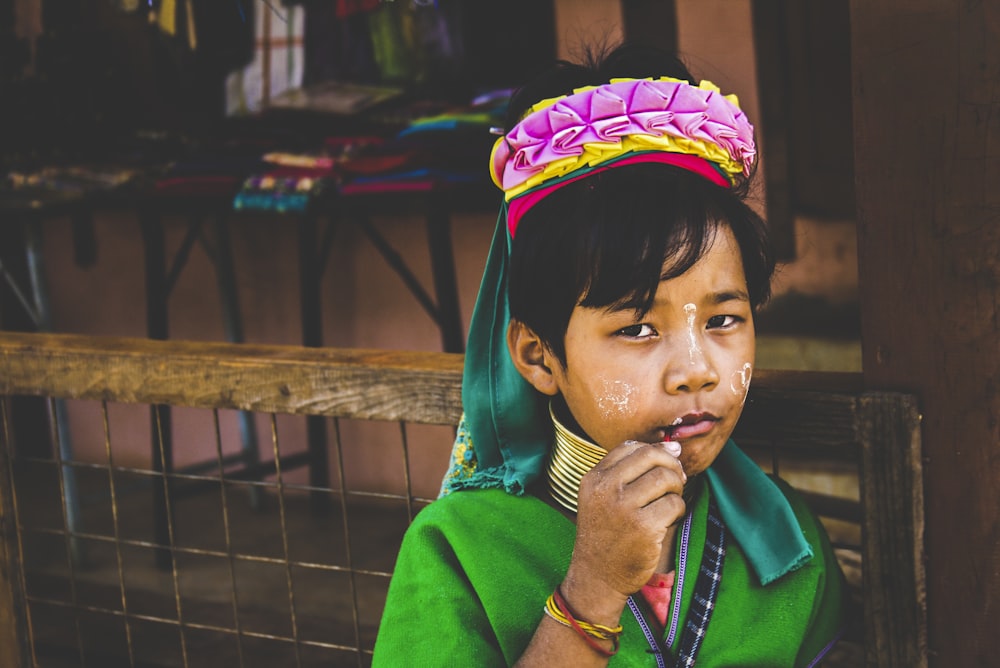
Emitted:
pixel 706 590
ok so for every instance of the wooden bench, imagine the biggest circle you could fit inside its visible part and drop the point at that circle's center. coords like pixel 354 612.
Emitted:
pixel 797 417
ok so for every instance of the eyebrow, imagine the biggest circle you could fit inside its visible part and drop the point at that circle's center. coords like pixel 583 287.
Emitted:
pixel 723 296
pixel 714 299
pixel 729 296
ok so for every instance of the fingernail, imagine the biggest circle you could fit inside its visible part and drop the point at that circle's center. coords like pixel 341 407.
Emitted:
pixel 673 447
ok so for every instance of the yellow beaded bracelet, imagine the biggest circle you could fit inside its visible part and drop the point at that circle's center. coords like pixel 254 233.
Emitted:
pixel 556 608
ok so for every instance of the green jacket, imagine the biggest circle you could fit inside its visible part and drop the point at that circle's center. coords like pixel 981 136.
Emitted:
pixel 476 567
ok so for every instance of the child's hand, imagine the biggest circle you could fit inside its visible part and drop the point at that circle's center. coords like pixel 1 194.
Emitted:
pixel 627 506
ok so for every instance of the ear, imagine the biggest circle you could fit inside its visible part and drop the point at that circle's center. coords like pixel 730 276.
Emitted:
pixel 531 357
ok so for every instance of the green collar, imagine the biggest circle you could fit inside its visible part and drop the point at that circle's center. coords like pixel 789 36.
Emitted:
pixel 757 514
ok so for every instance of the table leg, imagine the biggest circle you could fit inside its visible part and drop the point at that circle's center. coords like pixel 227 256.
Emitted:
pixel 443 268
pixel 62 441
pixel 312 336
pixel 160 423
pixel 232 321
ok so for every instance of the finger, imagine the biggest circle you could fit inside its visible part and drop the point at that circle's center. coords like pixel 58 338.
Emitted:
pixel 653 484
pixel 638 459
pixel 673 448
pixel 664 512
pixel 615 455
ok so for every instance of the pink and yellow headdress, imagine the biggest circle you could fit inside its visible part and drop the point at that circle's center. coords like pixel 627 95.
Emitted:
pixel 636 120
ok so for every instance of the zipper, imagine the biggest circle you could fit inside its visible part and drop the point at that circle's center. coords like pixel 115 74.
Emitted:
pixel 656 651
pixel 682 553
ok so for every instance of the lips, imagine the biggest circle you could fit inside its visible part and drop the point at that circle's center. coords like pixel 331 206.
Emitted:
pixel 692 424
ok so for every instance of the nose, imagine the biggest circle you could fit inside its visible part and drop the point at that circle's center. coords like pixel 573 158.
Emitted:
pixel 692 370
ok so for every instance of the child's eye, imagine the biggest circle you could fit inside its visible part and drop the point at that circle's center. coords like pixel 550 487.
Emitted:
pixel 637 331
pixel 723 321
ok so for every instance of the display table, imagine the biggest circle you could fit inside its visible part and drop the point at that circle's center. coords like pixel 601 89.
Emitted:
pixel 205 202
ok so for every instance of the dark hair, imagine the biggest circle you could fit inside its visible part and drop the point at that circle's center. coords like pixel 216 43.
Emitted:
pixel 603 240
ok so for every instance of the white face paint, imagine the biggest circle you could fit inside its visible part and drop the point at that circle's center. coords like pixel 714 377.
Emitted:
pixel 739 381
pixel 615 398
pixel 692 313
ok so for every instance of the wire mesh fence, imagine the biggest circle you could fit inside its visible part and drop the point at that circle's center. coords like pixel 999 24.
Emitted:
pixel 252 573
pixel 119 555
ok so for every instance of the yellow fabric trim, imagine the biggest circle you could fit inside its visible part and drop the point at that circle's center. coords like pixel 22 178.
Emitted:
pixel 493 153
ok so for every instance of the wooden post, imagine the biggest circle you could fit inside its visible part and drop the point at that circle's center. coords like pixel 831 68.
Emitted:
pixel 894 579
pixel 927 161
pixel 13 612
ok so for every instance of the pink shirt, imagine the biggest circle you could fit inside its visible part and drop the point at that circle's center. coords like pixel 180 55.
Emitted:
pixel 658 592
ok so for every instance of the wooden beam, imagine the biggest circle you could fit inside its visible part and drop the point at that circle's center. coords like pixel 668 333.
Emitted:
pixel 823 420
pixel 927 161
pixel 422 387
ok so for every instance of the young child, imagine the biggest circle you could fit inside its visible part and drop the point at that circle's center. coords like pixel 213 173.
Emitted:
pixel 597 512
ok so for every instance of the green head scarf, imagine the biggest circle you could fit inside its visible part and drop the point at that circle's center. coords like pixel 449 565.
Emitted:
pixel 505 432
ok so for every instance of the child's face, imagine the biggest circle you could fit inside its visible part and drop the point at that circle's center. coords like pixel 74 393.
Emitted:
pixel 681 372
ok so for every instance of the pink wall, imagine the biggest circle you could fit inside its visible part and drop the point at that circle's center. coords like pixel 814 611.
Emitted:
pixel 365 305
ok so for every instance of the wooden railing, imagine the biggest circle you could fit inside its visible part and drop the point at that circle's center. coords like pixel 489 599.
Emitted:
pixel 802 416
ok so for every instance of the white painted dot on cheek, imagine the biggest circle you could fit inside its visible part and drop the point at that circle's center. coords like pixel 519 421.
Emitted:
pixel 692 313
pixel 741 377
pixel 615 399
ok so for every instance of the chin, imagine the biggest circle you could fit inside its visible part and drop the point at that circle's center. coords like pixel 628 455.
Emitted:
pixel 701 460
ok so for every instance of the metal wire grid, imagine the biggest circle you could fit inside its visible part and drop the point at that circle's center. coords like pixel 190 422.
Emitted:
pixel 356 653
